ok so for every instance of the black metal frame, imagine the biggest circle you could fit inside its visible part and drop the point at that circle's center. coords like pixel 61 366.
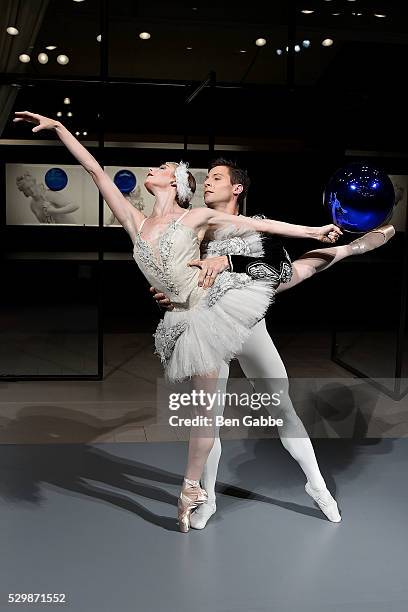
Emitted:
pixel 396 393
pixel 104 59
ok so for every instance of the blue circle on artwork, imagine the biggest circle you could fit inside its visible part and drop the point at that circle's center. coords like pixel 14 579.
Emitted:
pixel 359 197
pixel 56 179
pixel 125 181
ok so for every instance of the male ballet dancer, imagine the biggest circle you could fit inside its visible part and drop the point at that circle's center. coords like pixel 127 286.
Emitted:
pixel 225 188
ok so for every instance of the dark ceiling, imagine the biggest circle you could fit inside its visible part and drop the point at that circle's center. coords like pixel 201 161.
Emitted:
pixel 350 92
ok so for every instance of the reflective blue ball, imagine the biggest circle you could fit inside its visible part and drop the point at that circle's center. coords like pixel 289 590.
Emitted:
pixel 125 180
pixel 56 179
pixel 359 197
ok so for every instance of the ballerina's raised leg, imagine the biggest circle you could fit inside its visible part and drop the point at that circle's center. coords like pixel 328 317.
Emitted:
pixel 318 260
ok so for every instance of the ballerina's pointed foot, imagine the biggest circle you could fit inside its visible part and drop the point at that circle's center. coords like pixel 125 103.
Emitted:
pixel 191 496
pixel 201 516
pixel 325 501
pixel 372 240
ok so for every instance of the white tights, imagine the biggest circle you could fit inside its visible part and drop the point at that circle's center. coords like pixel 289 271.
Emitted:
pixel 259 359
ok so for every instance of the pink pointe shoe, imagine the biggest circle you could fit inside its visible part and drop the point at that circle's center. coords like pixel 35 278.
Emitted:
pixel 191 496
pixel 372 240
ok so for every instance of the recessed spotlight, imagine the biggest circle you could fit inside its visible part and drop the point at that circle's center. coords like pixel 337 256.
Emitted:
pixel 279 51
pixel 67 101
pixel 307 11
pixel 42 58
pixel 69 114
pixel 144 35
pixel 99 38
pixel 242 50
pixel 260 42
pixel 77 133
pixel 327 42
pixel 12 31
pixel 306 43
pixel 287 49
pixel 59 114
pixel 24 58
pixel 380 15
pixel 51 47
pixel 85 133
pixel 78 0
pixel 297 48
pixel 63 59
pixel 189 48
pixel 193 8
pixel 336 14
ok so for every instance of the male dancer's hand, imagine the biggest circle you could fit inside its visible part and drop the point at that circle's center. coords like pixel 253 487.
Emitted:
pixel 210 268
pixel 161 299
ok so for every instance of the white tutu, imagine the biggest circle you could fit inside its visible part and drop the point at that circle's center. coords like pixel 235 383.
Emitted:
pixel 196 341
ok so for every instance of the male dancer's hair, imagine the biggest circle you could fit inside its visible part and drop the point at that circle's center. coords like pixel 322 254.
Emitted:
pixel 237 175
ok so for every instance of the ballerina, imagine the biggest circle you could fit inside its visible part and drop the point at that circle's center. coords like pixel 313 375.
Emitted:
pixel 206 328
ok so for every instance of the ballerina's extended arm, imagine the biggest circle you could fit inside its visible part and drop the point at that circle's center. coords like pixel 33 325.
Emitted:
pixel 326 233
pixel 128 216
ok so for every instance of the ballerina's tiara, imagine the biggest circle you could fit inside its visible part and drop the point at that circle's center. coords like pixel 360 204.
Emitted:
pixel 183 188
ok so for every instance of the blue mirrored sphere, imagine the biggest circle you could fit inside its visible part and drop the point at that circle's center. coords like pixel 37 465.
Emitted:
pixel 56 179
pixel 125 181
pixel 359 197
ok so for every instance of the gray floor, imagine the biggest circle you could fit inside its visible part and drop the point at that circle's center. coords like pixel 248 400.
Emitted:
pixel 97 522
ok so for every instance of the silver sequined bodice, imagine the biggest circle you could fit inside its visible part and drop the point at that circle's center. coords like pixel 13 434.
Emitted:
pixel 164 264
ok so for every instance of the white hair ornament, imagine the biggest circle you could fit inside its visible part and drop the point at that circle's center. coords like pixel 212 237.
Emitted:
pixel 184 191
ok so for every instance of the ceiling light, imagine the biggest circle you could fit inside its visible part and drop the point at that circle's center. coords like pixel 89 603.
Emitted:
pixel 78 0
pixel 260 42
pixel 307 11
pixel 279 51
pixel 327 42
pixel 99 38
pixel 42 58
pixel 85 133
pixel 69 114
pixel 380 15
pixel 24 58
pixel 297 48
pixel 59 114
pixel 67 101
pixel 144 35
pixel 242 51
pixel 306 43
pixel 63 60
pixel 189 48
pixel 51 47
pixel 77 133
pixel 12 31
pixel 335 14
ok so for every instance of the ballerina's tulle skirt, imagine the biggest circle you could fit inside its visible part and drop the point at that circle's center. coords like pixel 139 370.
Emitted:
pixel 215 334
